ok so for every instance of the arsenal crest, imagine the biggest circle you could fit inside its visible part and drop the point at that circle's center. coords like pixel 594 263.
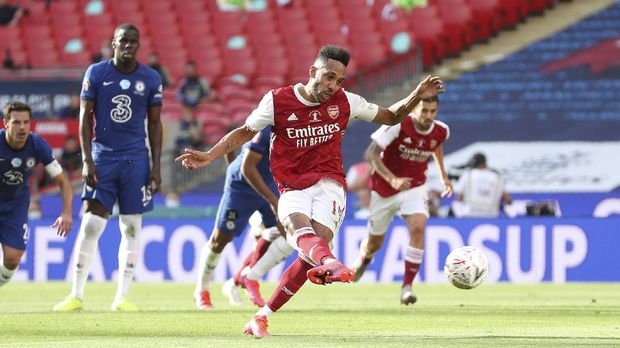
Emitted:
pixel 333 111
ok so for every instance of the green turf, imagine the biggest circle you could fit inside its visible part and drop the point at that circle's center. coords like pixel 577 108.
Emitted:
pixel 334 316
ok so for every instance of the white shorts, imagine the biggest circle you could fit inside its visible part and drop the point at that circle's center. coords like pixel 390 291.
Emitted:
pixel 383 209
pixel 323 202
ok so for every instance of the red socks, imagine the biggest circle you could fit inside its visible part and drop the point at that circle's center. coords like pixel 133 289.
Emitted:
pixel 292 280
pixel 259 250
pixel 411 269
pixel 315 247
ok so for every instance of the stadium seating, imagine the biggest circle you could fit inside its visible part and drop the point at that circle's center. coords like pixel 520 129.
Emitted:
pixel 280 42
pixel 570 78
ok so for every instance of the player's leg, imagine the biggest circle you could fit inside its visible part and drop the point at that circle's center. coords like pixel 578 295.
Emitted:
pixel 128 257
pixel 277 252
pixel 98 203
pixel 134 199
pixel 209 258
pixel 414 210
pixel 232 217
pixel 92 225
pixel 382 211
pixel 269 232
pixel 292 280
pixel 14 234
pixel 10 262
pixel 310 218
pixel 257 229
pixel 328 209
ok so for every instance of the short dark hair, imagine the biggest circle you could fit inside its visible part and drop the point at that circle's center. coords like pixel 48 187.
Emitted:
pixel 433 99
pixel 334 52
pixel 477 160
pixel 126 27
pixel 15 106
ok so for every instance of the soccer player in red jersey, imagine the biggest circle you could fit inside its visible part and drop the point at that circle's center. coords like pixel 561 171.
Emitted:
pixel 399 156
pixel 306 161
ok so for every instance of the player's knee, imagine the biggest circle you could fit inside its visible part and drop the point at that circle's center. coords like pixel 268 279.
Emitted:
pixel 374 243
pixel 130 225
pixel 218 241
pixel 12 262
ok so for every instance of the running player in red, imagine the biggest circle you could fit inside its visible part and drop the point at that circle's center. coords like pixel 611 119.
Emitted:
pixel 306 161
pixel 399 156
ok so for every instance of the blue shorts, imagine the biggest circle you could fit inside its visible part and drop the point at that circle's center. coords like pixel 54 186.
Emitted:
pixel 125 180
pixel 236 208
pixel 14 231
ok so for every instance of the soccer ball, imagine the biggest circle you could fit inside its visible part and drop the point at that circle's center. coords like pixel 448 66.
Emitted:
pixel 466 267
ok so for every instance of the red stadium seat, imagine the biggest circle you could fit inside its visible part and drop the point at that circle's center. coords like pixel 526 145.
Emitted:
pixel 486 21
pixel 277 68
pixel 37 14
pixel 321 6
pixel 63 8
pixel 428 30
pixel 9 34
pixel 269 81
pixel 43 58
pixel 188 7
pixel 81 59
pixel 95 35
pixel 37 33
pixel 456 17
pixel 104 19
pixel 512 12
pixel 211 106
pixel 211 69
pixel 227 24
pixel 538 6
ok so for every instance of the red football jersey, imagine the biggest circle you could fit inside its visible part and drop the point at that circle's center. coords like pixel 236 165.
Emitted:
pixel 306 140
pixel 408 154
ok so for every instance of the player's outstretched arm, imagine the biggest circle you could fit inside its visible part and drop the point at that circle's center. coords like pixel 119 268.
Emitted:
pixel 194 159
pixel 430 86
pixel 65 220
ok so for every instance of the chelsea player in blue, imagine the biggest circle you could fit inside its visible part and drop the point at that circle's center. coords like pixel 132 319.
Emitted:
pixel 20 151
pixel 118 97
pixel 249 187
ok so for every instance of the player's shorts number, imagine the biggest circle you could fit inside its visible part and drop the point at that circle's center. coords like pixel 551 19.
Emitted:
pixel 122 112
pixel 147 194
pixel 26 233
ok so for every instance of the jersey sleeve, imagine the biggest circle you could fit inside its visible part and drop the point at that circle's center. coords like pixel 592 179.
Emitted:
pixel 260 142
pixel 385 135
pixel 445 126
pixel 156 88
pixel 263 115
pixel 43 151
pixel 89 85
pixel 361 108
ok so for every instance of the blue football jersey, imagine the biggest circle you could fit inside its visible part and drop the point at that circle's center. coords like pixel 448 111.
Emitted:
pixel 260 144
pixel 121 105
pixel 16 167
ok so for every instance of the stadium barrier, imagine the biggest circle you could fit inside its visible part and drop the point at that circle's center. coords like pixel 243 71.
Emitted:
pixel 523 250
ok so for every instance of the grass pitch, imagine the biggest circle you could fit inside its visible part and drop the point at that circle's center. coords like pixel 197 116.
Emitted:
pixel 354 315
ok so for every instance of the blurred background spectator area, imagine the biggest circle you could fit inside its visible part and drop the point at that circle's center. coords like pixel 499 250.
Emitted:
pixel 244 50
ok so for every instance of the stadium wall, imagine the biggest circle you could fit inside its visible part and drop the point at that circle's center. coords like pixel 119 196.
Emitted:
pixel 522 250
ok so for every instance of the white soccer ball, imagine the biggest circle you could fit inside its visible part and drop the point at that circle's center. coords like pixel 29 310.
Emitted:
pixel 466 267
